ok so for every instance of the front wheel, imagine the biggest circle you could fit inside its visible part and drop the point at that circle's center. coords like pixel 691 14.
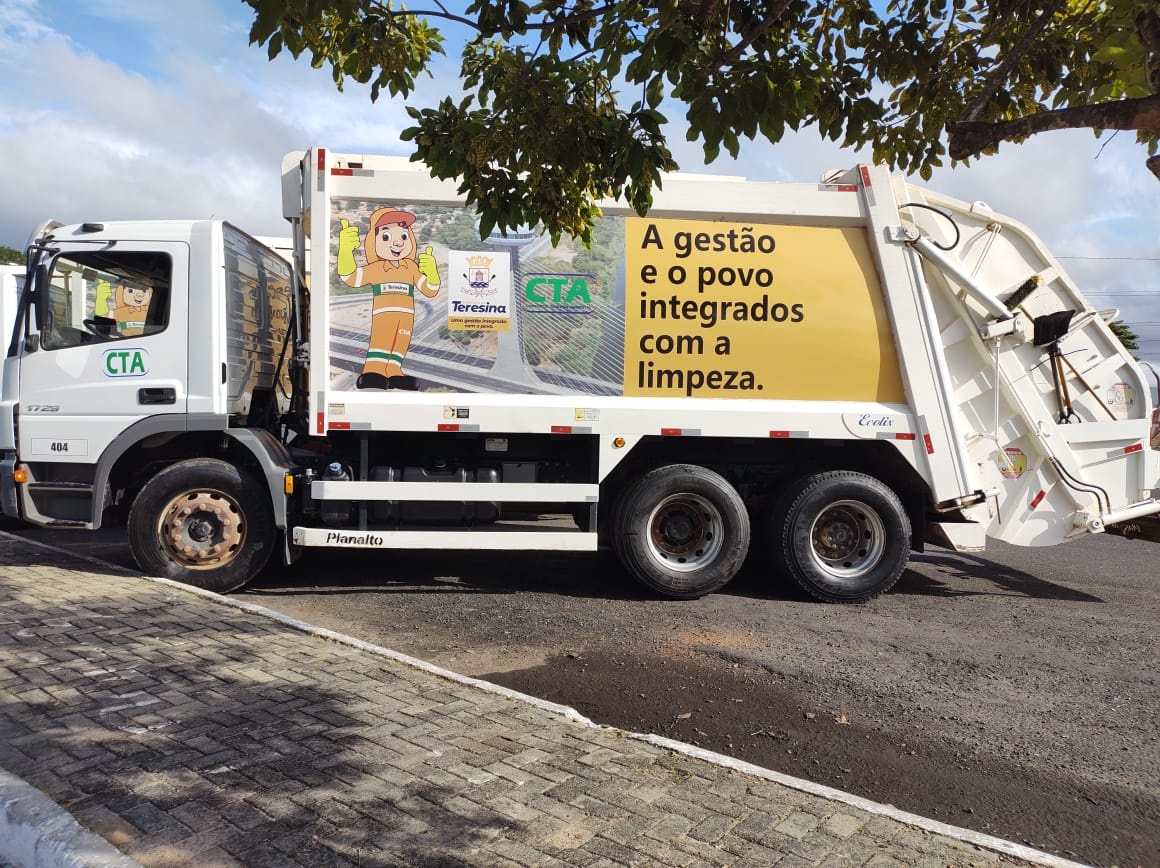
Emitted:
pixel 202 522
pixel 842 536
pixel 681 530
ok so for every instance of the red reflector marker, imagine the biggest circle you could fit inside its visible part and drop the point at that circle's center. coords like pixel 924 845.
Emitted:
pixel 1135 447
pixel 1038 499
pixel 448 426
pixel 321 159
pixel 321 424
pixel 561 429
pixel 905 435
pixel 670 432
pixel 929 444
pixel 865 172
pixel 342 171
pixel 339 426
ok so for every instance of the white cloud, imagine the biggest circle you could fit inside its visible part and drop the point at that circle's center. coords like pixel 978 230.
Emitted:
pixel 168 113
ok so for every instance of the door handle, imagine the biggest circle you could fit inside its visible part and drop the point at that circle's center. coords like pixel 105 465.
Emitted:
pixel 157 396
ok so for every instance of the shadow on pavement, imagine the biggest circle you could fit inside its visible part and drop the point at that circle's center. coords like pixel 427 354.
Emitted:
pixel 583 575
pixel 1004 579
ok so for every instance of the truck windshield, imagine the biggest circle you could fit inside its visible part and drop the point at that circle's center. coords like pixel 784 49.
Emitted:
pixel 105 296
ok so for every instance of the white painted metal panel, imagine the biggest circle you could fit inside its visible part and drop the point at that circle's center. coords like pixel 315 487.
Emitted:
pixel 458 540
pixel 515 492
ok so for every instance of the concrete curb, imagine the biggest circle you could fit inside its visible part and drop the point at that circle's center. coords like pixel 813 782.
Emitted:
pixel 36 832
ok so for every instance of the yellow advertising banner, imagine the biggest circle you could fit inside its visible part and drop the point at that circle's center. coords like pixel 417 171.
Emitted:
pixel 733 310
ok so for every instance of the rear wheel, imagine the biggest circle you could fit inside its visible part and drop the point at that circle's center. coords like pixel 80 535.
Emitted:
pixel 844 537
pixel 681 530
pixel 202 522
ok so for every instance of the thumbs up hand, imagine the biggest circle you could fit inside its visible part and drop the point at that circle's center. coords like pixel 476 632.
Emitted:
pixel 348 243
pixel 104 300
pixel 429 268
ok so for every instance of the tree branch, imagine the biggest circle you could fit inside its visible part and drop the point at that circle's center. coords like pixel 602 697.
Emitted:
pixel 771 19
pixel 999 73
pixel 1148 29
pixel 550 24
pixel 970 138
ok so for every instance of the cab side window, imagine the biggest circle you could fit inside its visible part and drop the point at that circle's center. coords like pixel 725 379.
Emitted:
pixel 106 296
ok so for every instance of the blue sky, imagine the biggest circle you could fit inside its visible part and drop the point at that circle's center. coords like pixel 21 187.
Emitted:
pixel 140 108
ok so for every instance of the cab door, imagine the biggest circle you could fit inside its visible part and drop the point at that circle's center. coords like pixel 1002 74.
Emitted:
pixel 109 351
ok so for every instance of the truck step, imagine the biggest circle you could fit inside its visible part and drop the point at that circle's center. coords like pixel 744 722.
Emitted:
pixel 513 538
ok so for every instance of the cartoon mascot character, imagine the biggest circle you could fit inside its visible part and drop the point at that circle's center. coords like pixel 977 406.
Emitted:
pixel 394 269
pixel 125 304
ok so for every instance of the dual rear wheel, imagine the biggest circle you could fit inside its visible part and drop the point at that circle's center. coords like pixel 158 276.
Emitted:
pixel 841 536
pixel 683 531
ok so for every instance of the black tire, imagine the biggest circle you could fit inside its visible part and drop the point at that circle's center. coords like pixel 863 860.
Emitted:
pixel 203 522
pixel 842 536
pixel 681 530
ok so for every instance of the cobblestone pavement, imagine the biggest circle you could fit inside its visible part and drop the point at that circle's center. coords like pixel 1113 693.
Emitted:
pixel 187 729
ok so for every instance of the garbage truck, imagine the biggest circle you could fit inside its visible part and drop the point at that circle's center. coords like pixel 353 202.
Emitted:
pixel 820 377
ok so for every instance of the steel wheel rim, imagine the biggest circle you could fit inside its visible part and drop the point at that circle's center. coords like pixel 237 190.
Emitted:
pixel 202 530
pixel 685 532
pixel 848 539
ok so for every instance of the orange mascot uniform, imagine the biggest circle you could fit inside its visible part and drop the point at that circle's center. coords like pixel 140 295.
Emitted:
pixel 131 306
pixel 394 270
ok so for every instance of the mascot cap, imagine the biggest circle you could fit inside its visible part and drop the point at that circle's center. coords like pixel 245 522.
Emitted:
pixel 393 216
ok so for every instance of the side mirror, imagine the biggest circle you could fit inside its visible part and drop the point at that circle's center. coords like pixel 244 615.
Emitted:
pixel 40 294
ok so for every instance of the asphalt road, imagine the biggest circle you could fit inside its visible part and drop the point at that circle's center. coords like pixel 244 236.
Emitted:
pixel 1015 693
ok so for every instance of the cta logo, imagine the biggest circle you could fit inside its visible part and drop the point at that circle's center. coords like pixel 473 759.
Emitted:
pixel 128 362
pixel 569 289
